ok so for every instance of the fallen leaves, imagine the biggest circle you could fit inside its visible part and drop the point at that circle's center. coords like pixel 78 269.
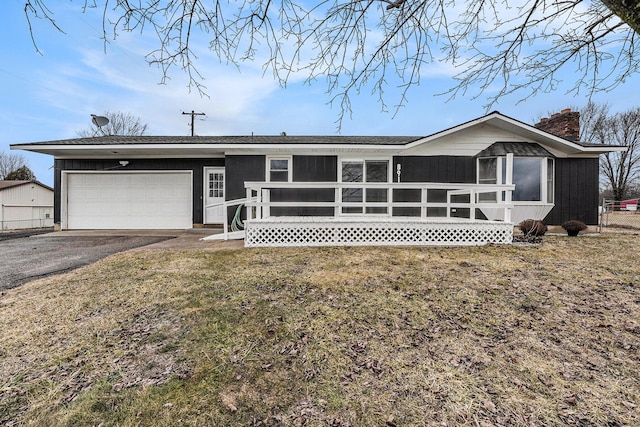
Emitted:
pixel 490 336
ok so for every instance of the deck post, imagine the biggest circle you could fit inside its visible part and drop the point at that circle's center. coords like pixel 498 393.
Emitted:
pixel 247 207
pixel 509 181
pixel 266 198
pixel 472 204
pixel 225 221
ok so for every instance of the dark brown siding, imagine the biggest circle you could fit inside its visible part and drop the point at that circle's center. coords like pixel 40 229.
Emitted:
pixel 238 170
pixel 315 168
pixel 436 169
pixel 309 169
pixel 576 191
pixel 195 165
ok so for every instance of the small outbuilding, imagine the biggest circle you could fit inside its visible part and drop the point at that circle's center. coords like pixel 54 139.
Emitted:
pixel 25 204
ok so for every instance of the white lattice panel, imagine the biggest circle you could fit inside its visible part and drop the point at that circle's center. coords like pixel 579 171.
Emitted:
pixel 332 232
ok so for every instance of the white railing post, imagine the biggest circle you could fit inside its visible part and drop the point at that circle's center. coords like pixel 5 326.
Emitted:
pixel 248 206
pixel 266 198
pixel 508 193
pixel 259 203
pixel 225 220
pixel 472 205
pixel 338 201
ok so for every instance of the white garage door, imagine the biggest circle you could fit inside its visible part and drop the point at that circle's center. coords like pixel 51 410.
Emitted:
pixel 126 200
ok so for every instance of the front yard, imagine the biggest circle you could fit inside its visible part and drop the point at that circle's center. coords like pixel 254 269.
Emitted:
pixel 513 335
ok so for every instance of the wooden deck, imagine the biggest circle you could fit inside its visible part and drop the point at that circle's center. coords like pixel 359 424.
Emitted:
pixel 353 224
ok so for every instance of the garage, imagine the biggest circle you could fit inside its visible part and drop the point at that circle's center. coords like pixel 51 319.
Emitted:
pixel 127 200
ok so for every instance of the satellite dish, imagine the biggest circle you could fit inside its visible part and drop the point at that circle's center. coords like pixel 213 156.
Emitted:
pixel 99 120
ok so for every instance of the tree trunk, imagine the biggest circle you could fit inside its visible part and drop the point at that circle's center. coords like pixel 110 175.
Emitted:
pixel 627 10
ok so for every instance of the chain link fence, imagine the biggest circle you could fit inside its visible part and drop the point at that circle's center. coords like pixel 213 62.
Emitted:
pixel 616 215
pixel 26 224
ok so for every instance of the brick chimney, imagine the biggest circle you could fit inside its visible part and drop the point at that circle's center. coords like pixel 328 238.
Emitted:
pixel 565 124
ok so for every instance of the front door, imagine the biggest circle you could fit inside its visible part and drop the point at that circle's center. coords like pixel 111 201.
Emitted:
pixel 214 195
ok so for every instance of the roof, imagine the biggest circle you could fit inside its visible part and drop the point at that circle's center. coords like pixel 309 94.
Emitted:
pixel 113 146
pixel 9 184
pixel 233 140
pixel 520 149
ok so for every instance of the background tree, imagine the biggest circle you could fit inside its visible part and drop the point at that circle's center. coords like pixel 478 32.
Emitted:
pixel 504 45
pixel 9 162
pixel 119 124
pixel 620 170
pixel 23 173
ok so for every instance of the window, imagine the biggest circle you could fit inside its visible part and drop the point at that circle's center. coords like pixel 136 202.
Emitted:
pixel 216 184
pixel 279 169
pixel 487 174
pixel 45 213
pixel 550 175
pixel 533 177
pixel 527 178
pixel 365 171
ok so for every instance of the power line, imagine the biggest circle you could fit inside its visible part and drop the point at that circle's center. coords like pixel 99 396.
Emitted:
pixel 193 114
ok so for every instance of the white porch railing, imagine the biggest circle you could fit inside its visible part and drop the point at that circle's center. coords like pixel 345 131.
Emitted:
pixel 259 201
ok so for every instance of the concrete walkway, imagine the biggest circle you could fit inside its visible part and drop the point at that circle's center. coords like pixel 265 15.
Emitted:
pixel 176 239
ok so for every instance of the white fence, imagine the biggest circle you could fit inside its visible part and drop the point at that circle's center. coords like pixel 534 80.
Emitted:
pixel 467 197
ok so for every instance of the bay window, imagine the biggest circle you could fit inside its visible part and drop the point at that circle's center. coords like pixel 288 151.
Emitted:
pixel 533 178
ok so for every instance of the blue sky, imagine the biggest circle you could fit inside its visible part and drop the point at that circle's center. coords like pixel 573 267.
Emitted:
pixel 51 96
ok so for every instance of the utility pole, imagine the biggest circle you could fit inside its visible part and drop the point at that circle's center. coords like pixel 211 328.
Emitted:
pixel 193 114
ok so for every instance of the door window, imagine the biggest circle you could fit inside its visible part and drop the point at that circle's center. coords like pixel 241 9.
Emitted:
pixel 216 184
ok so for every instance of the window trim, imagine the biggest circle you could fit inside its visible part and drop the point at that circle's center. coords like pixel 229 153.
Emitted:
pixel 268 169
pixel 364 160
pixel 501 165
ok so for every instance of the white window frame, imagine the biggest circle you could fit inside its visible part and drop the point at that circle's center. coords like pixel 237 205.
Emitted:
pixel 364 160
pixel 501 162
pixel 549 198
pixel 289 160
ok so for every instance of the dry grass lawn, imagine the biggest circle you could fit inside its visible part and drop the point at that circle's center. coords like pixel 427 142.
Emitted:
pixel 479 336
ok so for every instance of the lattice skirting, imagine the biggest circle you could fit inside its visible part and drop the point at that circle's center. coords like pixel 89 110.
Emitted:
pixel 262 233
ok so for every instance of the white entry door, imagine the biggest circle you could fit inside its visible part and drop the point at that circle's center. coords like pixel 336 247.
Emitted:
pixel 214 195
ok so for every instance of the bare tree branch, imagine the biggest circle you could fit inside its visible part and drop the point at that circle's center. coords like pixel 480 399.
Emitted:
pixel 500 47
pixel 10 162
pixel 119 124
pixel 620 170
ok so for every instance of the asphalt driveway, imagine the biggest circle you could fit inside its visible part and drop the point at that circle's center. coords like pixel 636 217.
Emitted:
pixel 28 258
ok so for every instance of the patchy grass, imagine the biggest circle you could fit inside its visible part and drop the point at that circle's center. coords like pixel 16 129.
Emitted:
pixel 497 335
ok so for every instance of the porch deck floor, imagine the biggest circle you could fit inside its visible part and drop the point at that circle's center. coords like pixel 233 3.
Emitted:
pixel 374 230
